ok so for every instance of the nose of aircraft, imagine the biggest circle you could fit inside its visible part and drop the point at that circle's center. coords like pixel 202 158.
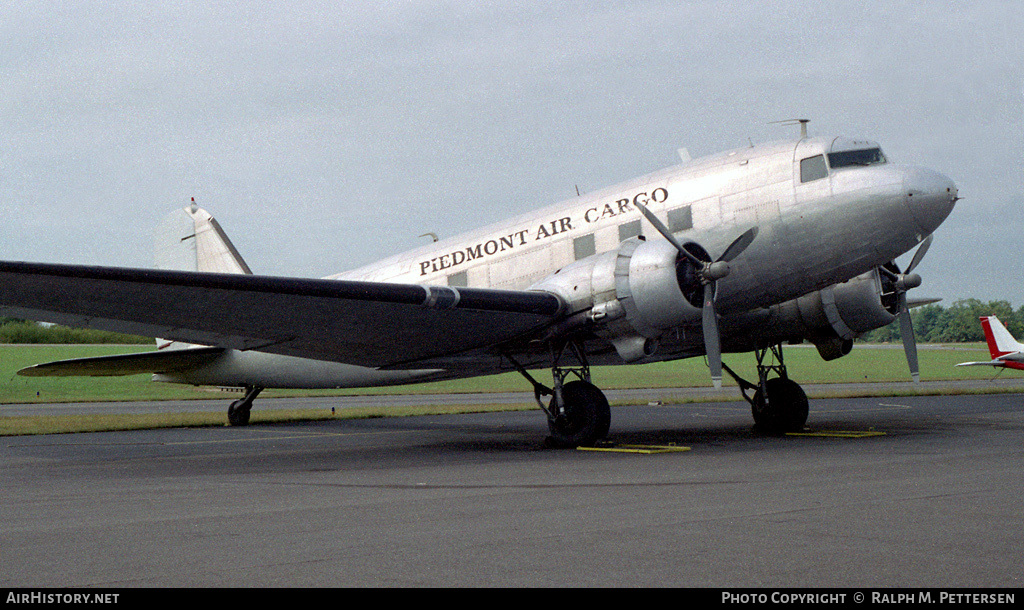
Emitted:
pixel 930 197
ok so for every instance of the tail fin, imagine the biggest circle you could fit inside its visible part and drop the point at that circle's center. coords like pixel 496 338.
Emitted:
pixel 190 239
pixel 1000 341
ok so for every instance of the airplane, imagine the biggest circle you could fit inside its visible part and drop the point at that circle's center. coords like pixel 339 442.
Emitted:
pixel 1006 351
pixel 741 251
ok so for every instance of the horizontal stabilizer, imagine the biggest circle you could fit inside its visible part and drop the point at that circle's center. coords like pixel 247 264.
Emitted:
pixel 125 364
pixel 990 363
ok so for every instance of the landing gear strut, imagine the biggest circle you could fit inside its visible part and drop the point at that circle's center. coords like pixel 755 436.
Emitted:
pixel 578 413
pixel 779 404
pixel 238 411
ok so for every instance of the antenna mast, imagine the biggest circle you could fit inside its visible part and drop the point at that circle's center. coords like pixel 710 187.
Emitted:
pixel 803 125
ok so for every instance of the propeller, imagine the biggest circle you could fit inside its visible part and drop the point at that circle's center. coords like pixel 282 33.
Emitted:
pixel 902 282
pixel 709 273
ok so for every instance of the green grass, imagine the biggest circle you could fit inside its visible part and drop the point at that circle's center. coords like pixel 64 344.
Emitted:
pixel 864 364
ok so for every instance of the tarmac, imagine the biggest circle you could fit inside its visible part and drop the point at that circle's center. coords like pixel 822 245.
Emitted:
pixel 926 492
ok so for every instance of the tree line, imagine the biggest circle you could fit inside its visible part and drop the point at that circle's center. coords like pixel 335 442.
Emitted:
pixel 957 323
pixel 14 330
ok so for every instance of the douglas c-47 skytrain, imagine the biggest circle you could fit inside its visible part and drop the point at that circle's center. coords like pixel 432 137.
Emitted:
pixel 736 252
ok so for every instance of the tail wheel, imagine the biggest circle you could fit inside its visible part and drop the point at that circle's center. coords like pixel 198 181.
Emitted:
pixel 784 411
pixel 582 418
pixel 238 413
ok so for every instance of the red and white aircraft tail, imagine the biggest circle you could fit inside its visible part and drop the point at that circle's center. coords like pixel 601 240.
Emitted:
pixel 1006 351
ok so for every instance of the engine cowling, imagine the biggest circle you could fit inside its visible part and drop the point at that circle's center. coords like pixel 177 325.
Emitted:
pixel 834 316
pixel 632 294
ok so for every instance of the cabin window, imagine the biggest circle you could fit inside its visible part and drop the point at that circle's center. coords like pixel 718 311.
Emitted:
pixel 813 168
pixel 458 280
pixel 846 158
pixel 583 247
pixel 628 230
pixel 680 219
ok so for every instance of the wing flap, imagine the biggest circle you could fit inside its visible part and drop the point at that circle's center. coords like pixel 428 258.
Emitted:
pixel 362 323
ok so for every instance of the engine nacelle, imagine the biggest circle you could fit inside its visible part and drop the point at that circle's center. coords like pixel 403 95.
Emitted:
pixel 833 317
pixel 633 294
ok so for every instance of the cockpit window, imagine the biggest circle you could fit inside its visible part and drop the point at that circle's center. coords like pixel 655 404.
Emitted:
pixel 846 158
pixel 813 168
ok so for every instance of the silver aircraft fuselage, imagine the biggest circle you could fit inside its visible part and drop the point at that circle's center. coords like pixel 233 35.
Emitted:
pixel 827 210
pixel 812 234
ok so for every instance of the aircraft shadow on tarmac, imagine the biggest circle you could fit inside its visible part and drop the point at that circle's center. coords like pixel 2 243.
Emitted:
pixel 678 425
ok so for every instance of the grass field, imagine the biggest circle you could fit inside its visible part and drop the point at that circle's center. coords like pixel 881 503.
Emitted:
pixel 864 364
pixel 867 363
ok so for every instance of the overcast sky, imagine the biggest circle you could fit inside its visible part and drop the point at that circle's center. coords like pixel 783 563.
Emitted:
pixel 325 135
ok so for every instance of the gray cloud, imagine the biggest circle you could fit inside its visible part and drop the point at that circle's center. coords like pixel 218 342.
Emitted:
pixel 326 136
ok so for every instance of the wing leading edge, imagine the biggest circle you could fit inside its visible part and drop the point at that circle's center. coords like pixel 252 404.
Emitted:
pixel 362 323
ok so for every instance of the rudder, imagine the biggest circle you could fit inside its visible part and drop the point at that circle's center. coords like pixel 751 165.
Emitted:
pixel 190 239
pixel 1000 341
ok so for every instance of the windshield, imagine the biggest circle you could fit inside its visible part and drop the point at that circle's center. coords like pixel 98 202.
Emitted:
pixel 868 156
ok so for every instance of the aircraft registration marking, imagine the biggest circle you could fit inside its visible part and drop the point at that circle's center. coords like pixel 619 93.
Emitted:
pixel 641 449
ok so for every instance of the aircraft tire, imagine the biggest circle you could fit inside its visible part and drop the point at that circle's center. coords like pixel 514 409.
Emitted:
pixel 786 410
pixel 238 413
pixel 586 416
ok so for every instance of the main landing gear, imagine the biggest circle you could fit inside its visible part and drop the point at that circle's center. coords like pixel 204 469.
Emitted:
pixel 238 411
pixel 779 404
pixel 578 412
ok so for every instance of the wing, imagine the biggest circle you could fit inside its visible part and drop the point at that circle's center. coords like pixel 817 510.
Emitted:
pixel 363 323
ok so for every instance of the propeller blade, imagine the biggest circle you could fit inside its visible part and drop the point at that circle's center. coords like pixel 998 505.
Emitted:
pixel 710 273
pixel 712 343
pixel 739 245
pixel 919 254
pixel 661 228
pixel 909 341
pixel 905 281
